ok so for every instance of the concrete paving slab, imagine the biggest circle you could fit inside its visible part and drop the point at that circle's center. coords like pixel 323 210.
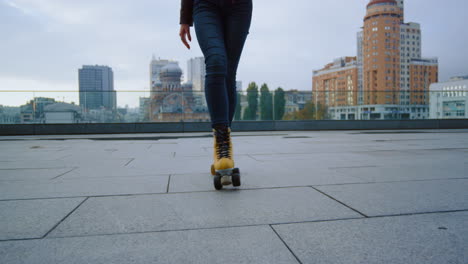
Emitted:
pixel 265 174
pixel 31 174
pixel 83 187
pixel 127 214
pixel 431 238
pixel 395 198
pixel 33 218
pixel 32 164
pixel 85 172
pixel 225 245
pixel 173 165
pixel 408 172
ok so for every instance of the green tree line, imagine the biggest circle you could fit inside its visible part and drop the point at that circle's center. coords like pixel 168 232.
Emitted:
pixel 265 105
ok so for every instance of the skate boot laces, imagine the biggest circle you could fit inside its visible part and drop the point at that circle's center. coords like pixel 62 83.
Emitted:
pixel 222 140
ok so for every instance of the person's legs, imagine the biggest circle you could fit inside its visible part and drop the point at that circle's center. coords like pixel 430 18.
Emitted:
pixel 209 28
pixel 238 15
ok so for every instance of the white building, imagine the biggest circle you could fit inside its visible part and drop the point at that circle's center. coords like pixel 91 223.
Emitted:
pixel 62 113
pixel 196 73
pixel 155 69
pixel 449 100
pixel 239 86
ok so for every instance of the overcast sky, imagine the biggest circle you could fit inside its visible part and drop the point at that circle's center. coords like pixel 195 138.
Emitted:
pixel 44 42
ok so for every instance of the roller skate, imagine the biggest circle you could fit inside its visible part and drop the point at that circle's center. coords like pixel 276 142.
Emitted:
pixel 223 167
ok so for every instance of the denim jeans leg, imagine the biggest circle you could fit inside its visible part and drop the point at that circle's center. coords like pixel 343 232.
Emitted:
pixel 210 34
pixel 236 28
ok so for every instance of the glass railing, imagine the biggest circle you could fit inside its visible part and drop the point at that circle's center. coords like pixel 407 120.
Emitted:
pixel 32 107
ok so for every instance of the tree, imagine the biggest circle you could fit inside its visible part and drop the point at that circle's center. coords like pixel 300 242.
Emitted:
pixel 250 112
pixel 280 103
pixel 311 111
pixel 266 103
pixel 237 114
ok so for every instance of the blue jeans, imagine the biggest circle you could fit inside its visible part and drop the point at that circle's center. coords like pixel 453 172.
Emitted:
pixel 222 27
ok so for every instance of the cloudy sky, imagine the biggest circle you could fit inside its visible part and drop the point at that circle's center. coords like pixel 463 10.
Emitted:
pixel 44 42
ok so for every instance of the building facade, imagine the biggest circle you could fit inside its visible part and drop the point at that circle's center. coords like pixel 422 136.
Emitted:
pixel 96 86
pixel 172 101
pixel 33 111
pixel 155 69
pixel 337 83
pixel 449 100
pixel 196 73
pixel 393 78
pixel 62 113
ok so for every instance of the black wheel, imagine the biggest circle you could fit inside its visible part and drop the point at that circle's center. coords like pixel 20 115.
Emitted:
pixel 236 171
pixel 217 182
pixel 236 182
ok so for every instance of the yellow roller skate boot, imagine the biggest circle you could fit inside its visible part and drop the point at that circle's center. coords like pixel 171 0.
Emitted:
pixel 223 166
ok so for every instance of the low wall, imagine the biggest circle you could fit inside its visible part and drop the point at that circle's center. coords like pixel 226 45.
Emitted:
pixel 313 125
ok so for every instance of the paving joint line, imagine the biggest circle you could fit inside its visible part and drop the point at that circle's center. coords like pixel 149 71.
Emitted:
pixel 33 168
pixel 286 245
pixel 421 213
pixel 250 156
pixel 58 176
pixel 194 229
pixel 131 159
pixel 342 203
pixel 168 182
pixel 157 193
pixel 377 182
pixel 63 219
pixel 226 190
pixel 237 226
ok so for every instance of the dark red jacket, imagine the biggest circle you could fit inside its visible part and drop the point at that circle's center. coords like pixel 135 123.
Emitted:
pixel 186 12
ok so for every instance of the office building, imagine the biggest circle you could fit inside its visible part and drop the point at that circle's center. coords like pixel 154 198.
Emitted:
pixel 96 86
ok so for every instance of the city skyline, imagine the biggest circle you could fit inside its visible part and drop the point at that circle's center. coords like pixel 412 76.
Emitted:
pixel 56 25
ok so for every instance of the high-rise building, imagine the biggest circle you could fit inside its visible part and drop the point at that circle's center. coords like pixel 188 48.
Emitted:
pixel 155 69
pixel 381 52
pixel 392 76
pixel 96 85
pixel 196 73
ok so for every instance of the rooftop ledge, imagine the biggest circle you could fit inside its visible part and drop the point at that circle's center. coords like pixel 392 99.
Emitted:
pixel 181 127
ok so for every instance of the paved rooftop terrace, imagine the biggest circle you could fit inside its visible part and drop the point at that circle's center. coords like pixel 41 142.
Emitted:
pixel 306 197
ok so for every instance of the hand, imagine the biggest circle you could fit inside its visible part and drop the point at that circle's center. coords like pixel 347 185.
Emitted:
pixel 184 33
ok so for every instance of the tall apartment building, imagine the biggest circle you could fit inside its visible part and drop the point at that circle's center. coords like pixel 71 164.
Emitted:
pixel 96 86
pixel 381 52
pixel 393 78
pixel 196 73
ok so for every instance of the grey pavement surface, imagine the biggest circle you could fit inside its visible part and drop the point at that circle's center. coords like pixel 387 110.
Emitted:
pixel 393 196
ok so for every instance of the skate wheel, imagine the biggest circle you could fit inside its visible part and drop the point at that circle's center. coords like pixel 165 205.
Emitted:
pixel 217 182
pixel 213 171
pixel 236 180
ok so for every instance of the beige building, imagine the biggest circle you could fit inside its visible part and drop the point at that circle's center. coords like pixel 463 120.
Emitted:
pixel 336 83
